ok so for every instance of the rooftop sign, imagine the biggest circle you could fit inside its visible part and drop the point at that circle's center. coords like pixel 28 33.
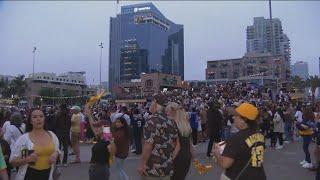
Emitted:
pixel 141 9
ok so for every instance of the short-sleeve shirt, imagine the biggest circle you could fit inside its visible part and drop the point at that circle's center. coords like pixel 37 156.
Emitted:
pixel 2 161
pixel 245 147
pixel 163 133
pixel 100 152
pixel 75 123
pixel 298 116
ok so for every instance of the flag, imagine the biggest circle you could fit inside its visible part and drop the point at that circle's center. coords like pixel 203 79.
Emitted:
pixel 95 98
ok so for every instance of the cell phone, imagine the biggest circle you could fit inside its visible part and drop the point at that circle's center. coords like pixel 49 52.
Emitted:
pixel 29 153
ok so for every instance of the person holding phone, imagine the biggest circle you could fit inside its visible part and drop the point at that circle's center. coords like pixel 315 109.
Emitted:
pixel 35 152
pixel 242 155
pixel 102 151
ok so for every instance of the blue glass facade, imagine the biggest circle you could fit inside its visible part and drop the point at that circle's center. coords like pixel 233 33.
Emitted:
pixel 143 40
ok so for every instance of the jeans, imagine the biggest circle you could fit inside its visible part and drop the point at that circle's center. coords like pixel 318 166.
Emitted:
pixel 288 131
pixel 306 143
pixel 138 141
pixel 119 168
pixel 277 136
pixel 226 133
pixel 63 140
pixel 214 138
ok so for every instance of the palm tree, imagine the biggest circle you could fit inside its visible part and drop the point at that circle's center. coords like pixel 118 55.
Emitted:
pixel 298 83
pixel 313 82
pixel 5 89
pixel 19 85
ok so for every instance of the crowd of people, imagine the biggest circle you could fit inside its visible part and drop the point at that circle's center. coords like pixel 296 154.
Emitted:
pixel 239 121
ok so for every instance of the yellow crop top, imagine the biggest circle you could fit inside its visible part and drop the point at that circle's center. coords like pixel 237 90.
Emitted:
pixel 44 153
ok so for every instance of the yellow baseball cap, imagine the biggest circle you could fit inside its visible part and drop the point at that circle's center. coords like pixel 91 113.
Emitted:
pixel 248 111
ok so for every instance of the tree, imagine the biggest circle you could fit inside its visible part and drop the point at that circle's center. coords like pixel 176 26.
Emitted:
pixel 298 83
pixel 3 87
pixel 313 82
pixel 47 92
pixel 19 85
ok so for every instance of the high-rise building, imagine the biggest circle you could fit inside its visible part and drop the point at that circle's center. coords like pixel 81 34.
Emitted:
pixel 143 40
pixel 259 38
pixel 319 66
pixel 300 69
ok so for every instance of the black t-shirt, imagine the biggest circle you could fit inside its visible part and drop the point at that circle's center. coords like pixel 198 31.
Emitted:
pixel 137 123
pixel 243 147
pixel 100 153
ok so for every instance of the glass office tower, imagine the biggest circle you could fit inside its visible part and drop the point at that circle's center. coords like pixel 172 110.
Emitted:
pixel 143 40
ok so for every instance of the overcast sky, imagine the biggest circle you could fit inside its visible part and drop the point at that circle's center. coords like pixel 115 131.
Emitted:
pixel 67 34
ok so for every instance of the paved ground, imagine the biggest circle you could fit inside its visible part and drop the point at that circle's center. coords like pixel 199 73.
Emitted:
pixel 279 165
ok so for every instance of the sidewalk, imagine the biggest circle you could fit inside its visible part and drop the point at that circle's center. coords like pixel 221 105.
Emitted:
pixel 279 165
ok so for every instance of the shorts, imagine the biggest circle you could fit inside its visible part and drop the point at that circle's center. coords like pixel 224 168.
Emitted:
pixel 75 137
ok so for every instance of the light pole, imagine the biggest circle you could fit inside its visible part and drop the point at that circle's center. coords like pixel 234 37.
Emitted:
pixel 33 60
pixel 101 47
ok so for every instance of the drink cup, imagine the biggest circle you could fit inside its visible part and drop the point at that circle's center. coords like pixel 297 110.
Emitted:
pixel 107 133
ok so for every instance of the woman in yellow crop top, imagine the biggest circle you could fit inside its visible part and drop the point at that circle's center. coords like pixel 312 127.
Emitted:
pixel 42 149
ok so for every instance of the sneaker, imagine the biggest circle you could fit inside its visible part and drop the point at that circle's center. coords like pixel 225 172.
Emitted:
pixel 65 165
pixel 307 165
pixel 133 150
pixel 195 145
pixel 279 147
pixel 286 142
pixel 303 162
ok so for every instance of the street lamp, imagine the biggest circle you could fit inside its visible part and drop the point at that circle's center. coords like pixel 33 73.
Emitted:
pixel 101 47
pixel 33 60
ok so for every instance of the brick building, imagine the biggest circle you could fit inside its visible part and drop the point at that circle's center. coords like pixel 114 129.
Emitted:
pixel 248 67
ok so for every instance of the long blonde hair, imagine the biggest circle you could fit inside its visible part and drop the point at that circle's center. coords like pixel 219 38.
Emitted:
pixel 181 118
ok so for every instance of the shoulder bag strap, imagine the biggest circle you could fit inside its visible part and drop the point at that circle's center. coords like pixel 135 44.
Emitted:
pixel 246 166
pixel 18 129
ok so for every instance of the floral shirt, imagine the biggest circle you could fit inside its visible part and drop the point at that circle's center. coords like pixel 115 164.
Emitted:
pixel 163 133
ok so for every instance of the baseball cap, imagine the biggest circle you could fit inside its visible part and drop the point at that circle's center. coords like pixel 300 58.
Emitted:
pixel 248 111
pixel 76 108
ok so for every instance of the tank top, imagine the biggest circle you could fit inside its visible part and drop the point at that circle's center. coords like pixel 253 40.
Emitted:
pixel 44 153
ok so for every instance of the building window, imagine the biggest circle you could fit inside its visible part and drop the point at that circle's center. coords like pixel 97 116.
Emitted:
pixel 211 75
pixel 213 65
pixel 223 75
pixel 149 83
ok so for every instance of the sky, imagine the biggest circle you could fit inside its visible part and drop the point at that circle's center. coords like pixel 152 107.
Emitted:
pixel 67 33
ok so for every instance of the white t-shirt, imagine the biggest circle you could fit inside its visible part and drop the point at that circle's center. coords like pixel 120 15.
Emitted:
pixel 5 126
pixel 298 116
pixel 12 134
